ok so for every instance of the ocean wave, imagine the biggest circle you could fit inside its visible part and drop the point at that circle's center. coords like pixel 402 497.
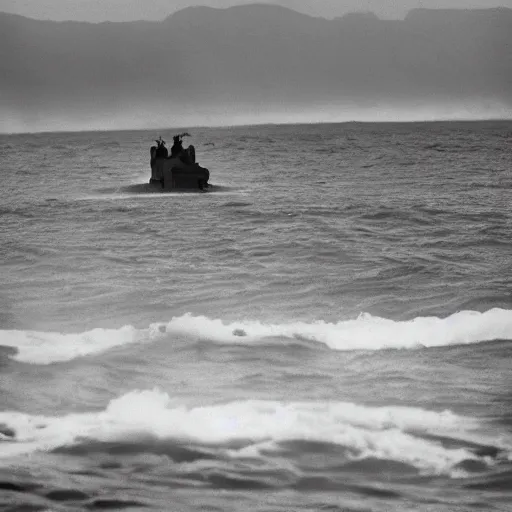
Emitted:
pixel 366 332
pixel 252 429
pixel 52 347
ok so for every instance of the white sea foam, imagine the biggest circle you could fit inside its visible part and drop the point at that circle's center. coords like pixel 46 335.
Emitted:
pixel 53 347
pixel 392 433
pixel 366 332
pixel 363 333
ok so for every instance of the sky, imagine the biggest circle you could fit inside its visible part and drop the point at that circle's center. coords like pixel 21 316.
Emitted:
pixel 128 10
pixel 63 93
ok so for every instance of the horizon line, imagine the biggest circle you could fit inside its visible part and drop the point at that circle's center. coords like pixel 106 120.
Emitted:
pixel 250 125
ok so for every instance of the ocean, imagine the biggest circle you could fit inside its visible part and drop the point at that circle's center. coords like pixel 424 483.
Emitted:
pixel 327 329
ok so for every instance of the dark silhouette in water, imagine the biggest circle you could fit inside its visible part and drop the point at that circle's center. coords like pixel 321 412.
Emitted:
pixel 161 150
pixel 177 147
pixel 179 170
pixel 7 431
pixel 158 151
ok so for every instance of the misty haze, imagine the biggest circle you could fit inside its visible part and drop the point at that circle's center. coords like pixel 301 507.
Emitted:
pixel 254 64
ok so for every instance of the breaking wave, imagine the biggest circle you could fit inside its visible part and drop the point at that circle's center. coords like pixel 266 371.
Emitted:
pixel 254 429
pixel 366 332
pixel 53 347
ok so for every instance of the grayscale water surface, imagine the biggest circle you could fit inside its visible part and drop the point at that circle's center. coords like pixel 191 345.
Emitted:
pixel 329 328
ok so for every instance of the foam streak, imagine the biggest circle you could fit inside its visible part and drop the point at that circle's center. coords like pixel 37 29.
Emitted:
pixel 391 433
pixel 363 333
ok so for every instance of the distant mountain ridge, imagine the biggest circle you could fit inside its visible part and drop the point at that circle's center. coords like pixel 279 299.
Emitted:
pixel 251 58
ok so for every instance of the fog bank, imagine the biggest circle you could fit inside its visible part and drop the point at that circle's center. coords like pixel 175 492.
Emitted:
pixel 254 64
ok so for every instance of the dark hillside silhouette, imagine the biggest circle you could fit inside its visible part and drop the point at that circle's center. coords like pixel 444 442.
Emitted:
pixel 250 57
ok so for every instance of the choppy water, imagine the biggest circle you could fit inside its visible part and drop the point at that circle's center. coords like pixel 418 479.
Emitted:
pixel 328 329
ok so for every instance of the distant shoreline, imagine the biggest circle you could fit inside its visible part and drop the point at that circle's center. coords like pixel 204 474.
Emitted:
pixel 159 15
pixel 262 125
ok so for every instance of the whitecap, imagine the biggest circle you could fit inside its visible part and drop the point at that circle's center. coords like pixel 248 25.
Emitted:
pixel 254 427
pixel 365 332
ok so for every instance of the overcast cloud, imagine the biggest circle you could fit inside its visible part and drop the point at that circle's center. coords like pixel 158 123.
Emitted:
pixel 125 10
pixel 251 65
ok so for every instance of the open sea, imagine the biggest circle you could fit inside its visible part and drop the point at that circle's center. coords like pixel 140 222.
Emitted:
pixel 329 328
